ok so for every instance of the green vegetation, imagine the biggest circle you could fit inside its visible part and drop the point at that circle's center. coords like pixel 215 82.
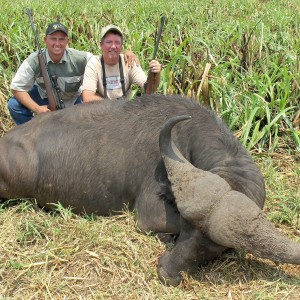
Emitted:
pixel 252 48
pixel 240 57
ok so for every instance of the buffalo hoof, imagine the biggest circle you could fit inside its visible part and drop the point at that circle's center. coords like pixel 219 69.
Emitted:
pixel 166 277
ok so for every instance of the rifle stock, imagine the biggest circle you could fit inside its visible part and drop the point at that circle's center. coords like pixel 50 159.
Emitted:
pixel 152 83
pixel 47 82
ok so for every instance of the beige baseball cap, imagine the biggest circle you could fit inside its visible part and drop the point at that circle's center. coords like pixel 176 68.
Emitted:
pixel 112 28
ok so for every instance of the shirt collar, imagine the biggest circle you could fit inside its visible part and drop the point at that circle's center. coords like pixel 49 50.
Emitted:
pixel 48 58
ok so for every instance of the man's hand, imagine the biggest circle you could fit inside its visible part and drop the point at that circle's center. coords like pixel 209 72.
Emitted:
pixel 130 58
pixel 41 109
pixel 154 66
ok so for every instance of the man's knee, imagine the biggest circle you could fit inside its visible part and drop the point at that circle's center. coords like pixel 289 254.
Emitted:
pixel 12 104
pixel 78 100
pixel 19 113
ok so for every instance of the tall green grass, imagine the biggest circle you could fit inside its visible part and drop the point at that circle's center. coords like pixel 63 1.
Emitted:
pixel 252 46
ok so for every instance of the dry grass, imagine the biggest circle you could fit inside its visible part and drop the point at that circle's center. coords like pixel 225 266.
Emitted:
pixel 64 256
pixel 5 120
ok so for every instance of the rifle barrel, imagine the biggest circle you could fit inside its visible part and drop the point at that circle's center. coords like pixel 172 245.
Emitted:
pixel 158 36
pixel 29 13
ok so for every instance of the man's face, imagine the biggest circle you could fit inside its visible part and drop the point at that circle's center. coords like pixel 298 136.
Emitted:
pixel 111 46
pixel 56 43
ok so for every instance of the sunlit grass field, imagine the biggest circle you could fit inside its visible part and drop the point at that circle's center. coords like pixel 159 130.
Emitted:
pixel 242 58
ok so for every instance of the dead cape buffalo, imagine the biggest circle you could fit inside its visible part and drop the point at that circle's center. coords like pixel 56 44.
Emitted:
pixel 100 156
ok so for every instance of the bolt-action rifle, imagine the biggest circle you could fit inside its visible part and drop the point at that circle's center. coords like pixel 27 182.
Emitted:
pixel 52 88
pixel 151 84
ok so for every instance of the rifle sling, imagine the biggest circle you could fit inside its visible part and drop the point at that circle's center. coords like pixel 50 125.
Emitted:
pixel 122 79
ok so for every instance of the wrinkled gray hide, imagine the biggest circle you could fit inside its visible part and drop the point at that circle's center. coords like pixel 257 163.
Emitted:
pixel 100 156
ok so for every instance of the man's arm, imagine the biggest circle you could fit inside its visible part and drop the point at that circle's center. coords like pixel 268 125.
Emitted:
pixel 90 80
pixel 25 99
pixel 23 81
pixel 88 96
pixel 139 77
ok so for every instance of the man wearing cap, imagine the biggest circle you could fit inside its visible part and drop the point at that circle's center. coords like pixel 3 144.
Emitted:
pixel 107 76
pixel 66 64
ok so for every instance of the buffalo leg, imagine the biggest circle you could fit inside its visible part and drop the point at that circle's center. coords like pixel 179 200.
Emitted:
pixel 158 216
pixel 191 249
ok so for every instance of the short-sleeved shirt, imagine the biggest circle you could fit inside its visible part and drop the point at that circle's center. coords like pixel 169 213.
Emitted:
pixel 69 72
pixel 93 78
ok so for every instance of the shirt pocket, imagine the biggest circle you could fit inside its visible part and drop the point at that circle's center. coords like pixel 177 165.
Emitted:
pixel 72 84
